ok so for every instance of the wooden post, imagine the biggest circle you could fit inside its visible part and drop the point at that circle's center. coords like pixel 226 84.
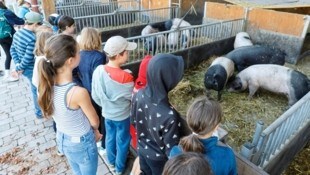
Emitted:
pixel 48 7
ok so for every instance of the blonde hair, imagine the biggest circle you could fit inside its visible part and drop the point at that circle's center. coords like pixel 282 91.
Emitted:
pixel 42 36
pixel 90 39
pixel 20 2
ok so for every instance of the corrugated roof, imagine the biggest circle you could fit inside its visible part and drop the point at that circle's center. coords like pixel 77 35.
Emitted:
pixel 272 3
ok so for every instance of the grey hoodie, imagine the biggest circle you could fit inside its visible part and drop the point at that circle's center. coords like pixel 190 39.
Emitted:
pixel 112 96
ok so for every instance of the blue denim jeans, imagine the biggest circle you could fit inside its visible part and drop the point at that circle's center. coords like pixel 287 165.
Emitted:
pixel 117 142
pixel 28 74
pixel 81 152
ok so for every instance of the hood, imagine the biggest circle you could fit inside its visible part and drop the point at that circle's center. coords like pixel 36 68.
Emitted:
pixel 165 71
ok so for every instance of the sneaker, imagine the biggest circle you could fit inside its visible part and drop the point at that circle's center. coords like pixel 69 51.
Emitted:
pixel 98 144
pixel 118 173
pixel 102 151
pixel 59 153
pixel 111 167
pixel 10 79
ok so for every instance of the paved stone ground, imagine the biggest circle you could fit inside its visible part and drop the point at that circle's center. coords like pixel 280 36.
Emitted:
pixel 27 144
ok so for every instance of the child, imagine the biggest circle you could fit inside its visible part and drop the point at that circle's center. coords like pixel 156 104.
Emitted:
pixel 203 118
pixel 42 36
pixel 187 163
pixel 22 52
pixel 69 105
pixel 66 25
pixel 139 84
pixel 156 121
pixel 52 19
pixel 7 21
pixel 91 57
pixel 111 89
pixel 25 6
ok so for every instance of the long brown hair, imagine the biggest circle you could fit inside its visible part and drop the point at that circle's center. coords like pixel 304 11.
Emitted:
pixel 57 50
pixel 202 118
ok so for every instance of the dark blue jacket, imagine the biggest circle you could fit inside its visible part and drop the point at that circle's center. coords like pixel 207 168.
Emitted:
pixel 12 19
pixel 88 63
pixel 220 157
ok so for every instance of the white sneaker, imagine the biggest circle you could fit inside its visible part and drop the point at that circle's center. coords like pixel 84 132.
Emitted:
pixel 10 79
pixel 102 151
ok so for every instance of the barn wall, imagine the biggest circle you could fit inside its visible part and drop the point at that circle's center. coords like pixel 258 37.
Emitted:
pixel 154 4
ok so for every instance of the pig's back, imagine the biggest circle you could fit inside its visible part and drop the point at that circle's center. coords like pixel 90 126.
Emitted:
pixel 271 77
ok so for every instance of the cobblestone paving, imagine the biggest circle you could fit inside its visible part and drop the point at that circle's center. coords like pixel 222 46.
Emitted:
pixel 27 144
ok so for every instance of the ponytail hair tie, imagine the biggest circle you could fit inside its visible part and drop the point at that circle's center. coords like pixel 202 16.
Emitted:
pixel 48 61
pixel 194 133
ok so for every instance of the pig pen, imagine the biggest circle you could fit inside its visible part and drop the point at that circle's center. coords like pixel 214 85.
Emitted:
pixel 240 113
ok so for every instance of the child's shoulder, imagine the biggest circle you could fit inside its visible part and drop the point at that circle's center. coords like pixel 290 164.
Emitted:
pixel 224 147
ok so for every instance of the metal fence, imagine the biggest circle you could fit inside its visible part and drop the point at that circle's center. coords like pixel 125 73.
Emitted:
pixel 68 3
pixel 199 35
pixel 121 19
pixel 97 8
pixel 276 136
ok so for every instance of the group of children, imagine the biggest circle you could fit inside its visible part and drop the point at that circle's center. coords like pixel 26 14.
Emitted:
pixel 82 88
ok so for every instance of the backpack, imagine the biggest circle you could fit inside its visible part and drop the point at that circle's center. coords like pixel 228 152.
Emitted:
pixel 5 27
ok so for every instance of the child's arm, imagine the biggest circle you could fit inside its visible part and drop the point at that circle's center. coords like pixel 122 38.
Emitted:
pixel 81 99
pixel 96 85
pixel 172 136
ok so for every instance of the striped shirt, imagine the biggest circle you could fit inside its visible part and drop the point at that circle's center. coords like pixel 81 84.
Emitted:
pixel 22 49
pixel 72 122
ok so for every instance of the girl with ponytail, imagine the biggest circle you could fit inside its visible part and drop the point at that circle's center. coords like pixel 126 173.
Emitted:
pixel 203 118
pixel 69 105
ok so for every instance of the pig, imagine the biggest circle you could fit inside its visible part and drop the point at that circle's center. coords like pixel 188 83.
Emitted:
pixel 218 74
pixel 148 30
pixel 242 39
pixel 154 43
pixel 274 78
pixel 246 56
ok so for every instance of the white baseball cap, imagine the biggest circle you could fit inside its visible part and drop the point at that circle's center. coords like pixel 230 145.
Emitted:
pixel 117 44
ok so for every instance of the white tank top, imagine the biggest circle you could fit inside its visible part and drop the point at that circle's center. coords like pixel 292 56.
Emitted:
pixel 72 122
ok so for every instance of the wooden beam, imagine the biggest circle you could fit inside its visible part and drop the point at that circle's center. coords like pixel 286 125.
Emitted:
pixel 48 7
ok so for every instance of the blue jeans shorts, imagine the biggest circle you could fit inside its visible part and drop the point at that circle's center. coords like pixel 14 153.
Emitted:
pixel 81 152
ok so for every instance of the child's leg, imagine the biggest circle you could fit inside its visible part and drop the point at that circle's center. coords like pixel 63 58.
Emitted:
pixel 110 141
pixel 144 167
pixel 122 145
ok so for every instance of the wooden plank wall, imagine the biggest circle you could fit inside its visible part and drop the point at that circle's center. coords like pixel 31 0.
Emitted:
pixel 282 22
pixel 223 11
pixel 154 4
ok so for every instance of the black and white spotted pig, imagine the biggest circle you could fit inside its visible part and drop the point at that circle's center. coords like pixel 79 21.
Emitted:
pixel 242 39
pixel 246 56
pixel 218 74
pixel 274 78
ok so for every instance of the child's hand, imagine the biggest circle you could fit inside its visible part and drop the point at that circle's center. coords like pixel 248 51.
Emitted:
pixel 15 74
pixel 98 136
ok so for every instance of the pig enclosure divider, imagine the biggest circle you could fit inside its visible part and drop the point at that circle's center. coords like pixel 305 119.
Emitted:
pixel 280 142
pixel 95 8
pixel 125 18
pixel 201 34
